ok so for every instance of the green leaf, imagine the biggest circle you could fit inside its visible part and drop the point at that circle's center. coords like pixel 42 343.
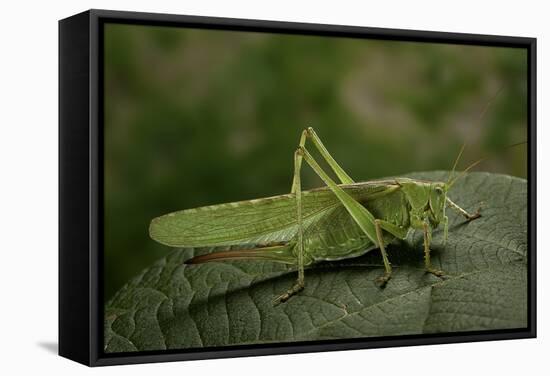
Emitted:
pixel 173 306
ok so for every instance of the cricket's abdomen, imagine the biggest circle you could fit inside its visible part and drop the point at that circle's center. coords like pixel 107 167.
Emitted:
pixel 337 236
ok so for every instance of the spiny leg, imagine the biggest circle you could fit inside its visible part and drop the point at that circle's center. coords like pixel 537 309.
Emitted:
pixel 427 259
pixel 382 280
pixel 296 186
pixel 339 171
pixel 463 212
pixel 445 229
pixel 297 190
pixel 358 212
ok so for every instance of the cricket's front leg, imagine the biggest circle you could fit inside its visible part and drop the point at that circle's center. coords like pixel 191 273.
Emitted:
pixel 427 259
pixel 463 212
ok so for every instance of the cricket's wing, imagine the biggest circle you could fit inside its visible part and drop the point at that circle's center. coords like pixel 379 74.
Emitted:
pixel 261 221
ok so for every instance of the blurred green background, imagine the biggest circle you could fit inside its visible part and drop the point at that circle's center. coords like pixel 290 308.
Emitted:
pixel 197 117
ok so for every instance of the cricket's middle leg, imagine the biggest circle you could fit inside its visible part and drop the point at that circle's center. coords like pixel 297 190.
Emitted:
pixel 395 230
pixel 427 259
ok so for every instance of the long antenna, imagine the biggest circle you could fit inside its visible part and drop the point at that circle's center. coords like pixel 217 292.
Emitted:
pixel 478 120
pixel 456 162
pixel 488 104
pixel 466 170
pixel 482 159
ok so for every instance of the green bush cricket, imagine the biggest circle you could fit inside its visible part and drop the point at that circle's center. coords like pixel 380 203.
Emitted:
pixel 335 222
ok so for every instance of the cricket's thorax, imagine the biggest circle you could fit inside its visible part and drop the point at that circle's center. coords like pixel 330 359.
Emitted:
pixel 337 236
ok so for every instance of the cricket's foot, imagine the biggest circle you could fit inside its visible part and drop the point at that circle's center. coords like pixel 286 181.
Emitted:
pixel 477 214
pixel 436 272
pixel 298 286
pixel 383 279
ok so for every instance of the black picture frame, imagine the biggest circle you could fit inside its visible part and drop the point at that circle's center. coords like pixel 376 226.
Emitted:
pixel 81 179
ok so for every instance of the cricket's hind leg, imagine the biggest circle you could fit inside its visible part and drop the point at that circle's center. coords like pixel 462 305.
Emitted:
pixel 297 190
pixel 366 221
pixel 309 133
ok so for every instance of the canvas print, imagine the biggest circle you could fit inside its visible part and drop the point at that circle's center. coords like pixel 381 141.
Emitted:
pixel 264 188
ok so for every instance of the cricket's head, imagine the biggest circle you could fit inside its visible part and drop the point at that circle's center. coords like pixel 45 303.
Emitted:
pixel 427 198
pixel 438 196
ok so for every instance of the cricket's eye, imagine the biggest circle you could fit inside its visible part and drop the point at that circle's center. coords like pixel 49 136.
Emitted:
pixel 438 190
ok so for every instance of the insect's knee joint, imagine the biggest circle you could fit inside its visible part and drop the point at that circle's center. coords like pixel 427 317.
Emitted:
pixel 300 150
